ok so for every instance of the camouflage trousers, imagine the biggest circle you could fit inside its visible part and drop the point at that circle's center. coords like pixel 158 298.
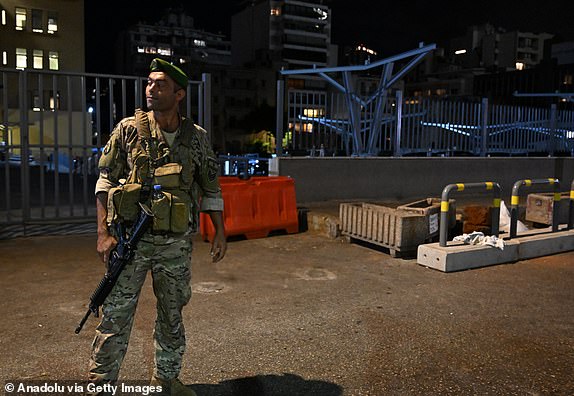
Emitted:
pixel 169 261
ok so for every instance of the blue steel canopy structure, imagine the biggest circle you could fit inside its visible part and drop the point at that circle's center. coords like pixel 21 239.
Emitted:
pixel 365 127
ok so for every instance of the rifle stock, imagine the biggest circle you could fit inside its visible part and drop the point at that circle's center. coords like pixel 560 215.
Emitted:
pixel 120 256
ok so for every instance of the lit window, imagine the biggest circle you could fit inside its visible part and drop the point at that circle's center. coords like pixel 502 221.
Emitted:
pixel 20 18
pixel 37 23
pixel 150 50
pixel 4 58
pixel 164 51
pixel 54 102
pixel 53 59
pixel 275 11
pixel 141 50
pixel 460 52
pixel 365 49
pixel 519 65
pixel 313 112
pixel 52 23
pixel 321 13
pixel 38 59
pixel 199 43
pixel 298 127
pixel 21 58
pixel 3 17
pixel 568 79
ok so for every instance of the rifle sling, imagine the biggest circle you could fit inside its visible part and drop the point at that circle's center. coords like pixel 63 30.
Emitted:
pixel 145 142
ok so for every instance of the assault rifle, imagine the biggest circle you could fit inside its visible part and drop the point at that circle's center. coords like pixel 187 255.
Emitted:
pixel 121 255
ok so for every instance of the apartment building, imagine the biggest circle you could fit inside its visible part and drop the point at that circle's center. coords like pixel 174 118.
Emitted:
pixel 481 51
pixel 289 33
pixel 46 39
pixel 176 38
pixel 491 47
pixel 42 35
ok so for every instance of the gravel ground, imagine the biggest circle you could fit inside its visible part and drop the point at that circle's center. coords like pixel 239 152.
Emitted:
pixel 306 315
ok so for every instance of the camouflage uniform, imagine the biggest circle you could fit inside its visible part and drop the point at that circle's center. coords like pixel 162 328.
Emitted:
pixel 168 257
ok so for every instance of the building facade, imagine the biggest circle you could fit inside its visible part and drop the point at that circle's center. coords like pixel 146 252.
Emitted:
pixel 287 34
pixel 42 35
pixel 492 47
pixel 283 33
pixel 44 38
pixel 483 50
pixel 174 38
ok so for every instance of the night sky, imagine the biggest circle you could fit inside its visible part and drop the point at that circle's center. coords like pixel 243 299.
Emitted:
pixel 388 27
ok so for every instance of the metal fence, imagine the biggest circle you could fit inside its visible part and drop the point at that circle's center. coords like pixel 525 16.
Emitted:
pixel 426 126
pixel 52 128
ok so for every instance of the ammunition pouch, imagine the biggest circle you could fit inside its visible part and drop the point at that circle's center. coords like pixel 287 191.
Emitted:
pixel 168 176
pixel 123 203
pixel 171 212
pixel 172 208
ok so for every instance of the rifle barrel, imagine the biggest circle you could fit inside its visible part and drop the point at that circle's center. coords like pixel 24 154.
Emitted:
pixel 81 325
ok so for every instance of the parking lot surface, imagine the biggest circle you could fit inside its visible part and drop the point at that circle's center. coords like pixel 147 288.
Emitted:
pixel 303 314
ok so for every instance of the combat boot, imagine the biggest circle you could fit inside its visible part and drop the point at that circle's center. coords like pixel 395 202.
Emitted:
pixel 172 387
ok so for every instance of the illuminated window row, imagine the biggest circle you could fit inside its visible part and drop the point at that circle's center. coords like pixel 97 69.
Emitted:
pixel 40 21
pixel 301 127
pixel 37 59
pixel 166 51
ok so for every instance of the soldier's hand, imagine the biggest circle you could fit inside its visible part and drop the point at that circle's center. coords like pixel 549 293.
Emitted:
pixel 106 243
pixel 218 247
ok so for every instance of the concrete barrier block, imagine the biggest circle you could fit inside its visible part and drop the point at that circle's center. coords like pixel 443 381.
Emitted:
pixel 457 256
pixel 545 244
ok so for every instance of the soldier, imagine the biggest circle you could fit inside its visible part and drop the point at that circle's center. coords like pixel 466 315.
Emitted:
pixel 162 158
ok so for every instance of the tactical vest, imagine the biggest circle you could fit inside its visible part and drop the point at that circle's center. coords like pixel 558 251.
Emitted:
pixel 153 163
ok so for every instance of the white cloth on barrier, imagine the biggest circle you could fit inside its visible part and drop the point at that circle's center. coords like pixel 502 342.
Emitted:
pixel 504 220
pixel 478 238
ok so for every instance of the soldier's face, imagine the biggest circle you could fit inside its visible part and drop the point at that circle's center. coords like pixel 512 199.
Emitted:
pixel 162 93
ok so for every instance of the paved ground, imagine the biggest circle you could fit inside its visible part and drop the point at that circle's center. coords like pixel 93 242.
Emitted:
pixel 307 315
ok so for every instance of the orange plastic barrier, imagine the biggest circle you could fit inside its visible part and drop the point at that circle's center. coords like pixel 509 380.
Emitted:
pixel 255 207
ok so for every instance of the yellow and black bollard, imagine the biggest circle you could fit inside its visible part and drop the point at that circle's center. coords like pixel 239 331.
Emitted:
pixel 444 205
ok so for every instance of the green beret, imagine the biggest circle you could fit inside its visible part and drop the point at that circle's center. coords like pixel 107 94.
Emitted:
pixel 177 75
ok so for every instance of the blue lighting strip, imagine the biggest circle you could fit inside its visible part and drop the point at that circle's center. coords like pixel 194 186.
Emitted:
pixel 507 128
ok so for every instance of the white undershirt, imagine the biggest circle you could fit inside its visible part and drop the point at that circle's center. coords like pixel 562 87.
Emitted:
pixel 170 136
